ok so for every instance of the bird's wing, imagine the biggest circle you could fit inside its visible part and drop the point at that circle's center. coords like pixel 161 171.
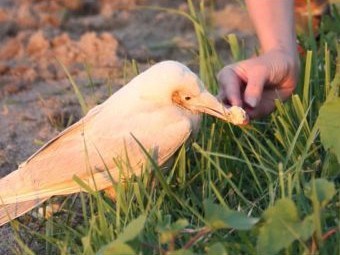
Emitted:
pixel 22 179
pixel 87 149
pixel 95 110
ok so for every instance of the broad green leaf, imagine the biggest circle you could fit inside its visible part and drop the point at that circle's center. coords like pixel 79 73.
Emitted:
pixel 180 224
pixel 281 227
pixel 132 230
pixel 324 191
pixel 166 236
pixel 331 166
pixel 284 210
pixel 218 217
pixel 168 231
pixel 329 121
pixel 307 227
pixel 216 248
pixel 117 248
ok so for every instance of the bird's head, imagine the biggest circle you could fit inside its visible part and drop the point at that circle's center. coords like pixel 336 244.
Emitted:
pixel 170 82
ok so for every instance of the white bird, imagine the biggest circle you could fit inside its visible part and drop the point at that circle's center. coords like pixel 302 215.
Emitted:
pixel 160 108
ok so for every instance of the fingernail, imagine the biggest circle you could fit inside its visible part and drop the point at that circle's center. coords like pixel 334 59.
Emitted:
pixel 251 101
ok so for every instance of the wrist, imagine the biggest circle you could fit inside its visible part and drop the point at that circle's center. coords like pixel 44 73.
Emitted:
pixel 289 52
pixel 287 47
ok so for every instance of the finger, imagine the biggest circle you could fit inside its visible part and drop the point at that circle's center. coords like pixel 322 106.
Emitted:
pixel 230 86
pixel 266 105
pixel 254 88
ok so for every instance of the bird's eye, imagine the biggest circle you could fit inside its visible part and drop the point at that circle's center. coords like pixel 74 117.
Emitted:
pixel 187 98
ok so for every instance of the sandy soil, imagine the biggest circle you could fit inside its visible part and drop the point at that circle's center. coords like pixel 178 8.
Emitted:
pixel 87 36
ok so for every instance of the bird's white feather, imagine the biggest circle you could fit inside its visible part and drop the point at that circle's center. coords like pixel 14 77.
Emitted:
pixel 103 136
pixel 148 109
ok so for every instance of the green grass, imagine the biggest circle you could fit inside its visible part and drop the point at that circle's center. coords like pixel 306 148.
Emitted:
pixel 270 188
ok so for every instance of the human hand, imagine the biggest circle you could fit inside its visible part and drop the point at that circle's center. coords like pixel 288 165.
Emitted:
pixel 255 83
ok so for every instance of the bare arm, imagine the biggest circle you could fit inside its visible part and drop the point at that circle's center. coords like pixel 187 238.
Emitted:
pixel 255 83
pixel 274 24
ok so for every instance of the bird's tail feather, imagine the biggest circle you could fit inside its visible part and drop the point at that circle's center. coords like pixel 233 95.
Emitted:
pixel 98 181
pixel 15 203
pixel 9 212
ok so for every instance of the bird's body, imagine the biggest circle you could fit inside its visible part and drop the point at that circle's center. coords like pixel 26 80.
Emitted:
pixel 145 110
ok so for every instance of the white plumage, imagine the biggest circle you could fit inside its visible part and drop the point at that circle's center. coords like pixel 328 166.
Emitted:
pixel 160 108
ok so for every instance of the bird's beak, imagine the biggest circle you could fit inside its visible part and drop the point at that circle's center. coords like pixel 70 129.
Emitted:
pixel 207 103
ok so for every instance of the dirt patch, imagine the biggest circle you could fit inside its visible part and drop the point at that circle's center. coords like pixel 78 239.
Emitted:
pixel 32 56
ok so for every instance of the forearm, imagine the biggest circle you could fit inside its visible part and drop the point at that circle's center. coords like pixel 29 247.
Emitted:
pixel 274 24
